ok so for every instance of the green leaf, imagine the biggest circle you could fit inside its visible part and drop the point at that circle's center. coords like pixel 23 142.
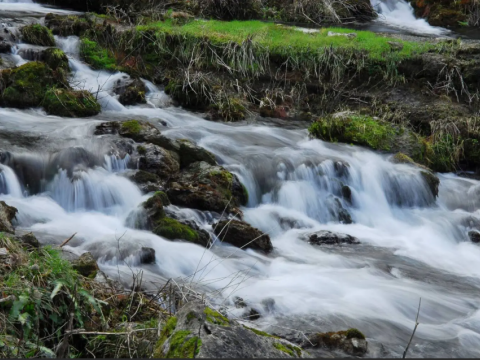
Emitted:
pixel 23 318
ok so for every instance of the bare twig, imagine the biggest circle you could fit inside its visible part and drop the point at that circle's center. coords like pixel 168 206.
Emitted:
pixel 67 241
pixel 414 329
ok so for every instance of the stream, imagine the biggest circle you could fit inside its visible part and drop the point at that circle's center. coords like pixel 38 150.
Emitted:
pixel 412 245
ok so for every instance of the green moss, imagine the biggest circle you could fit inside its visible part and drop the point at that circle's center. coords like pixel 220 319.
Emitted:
pixel 96 56
pixel 26 85
pixel 70 103
pixel 56 59
pixel 133 127
pixel 215 317
pixel 400 158
pixel 173 229
pixel 182 347
pixel 141 150
pixel 166 332
pixel 357 129
pixel 354 334
pixel 261 333
pixel 37 34
pixel 293 351
pixel 164 197
pixel 191 315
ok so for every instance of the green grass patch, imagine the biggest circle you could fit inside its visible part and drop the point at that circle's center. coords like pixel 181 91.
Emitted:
pixel 279 39
pixel 96 56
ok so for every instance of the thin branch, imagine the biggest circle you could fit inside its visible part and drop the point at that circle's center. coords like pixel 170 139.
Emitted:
pixel 414 329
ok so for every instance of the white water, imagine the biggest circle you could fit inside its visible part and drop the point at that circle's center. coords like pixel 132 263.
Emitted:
pixel 399 13
pixel 412 246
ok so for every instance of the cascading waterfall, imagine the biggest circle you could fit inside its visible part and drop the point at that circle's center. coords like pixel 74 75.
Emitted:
pixel 399 13
pixel 412 245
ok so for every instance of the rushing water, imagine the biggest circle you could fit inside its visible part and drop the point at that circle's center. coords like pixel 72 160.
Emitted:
pixel 399 13
pixel 59 176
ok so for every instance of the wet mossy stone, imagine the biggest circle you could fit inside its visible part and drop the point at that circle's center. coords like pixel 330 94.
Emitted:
pixel 173 229
pixel 37 34
pixel 56 59
pixel 242 235
pixel 7 214
pixel 133 93
pixel 190 153
pixel 71 103
pixel 26 85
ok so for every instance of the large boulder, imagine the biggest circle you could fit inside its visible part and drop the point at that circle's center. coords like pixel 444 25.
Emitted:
pixel 200 332
pixel 325 237
pixel 206 187
pixel 55 59
pixel 7 214
pixel 37 34
pixel 242 235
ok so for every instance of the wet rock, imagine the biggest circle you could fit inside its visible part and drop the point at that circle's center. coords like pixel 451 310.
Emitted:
pixel 190 153
pixel 432 181
pixel 56 59
pixel 146 181
pixel 86 265
pixel 139 131
pixel 5 47
pixel 474 236
pixel 37 34
pixel 71 103
pixel 29 240
pixel 241 234
pixel 147 255
pixel 200 332
pixel 159 161
pixel 337 211
pixel 206 187
pixel 325 237
pixel 133 93
pixel 347 193
pixel 351 341
pixel 7 214
pixel 154 208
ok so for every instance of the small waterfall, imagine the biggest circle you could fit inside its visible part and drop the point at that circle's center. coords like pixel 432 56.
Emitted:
pixel 115 164
pixel 9 184
pixel 400 13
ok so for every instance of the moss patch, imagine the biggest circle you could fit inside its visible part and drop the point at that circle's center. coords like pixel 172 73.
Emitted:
pixel 56 59
pixel 166 332
pixel 261 333
pixel 37 34
pixel 183 347
pixel 215 317
pixel 354 334
pixel 71 103
pixel 293 351
pixel 173 229
pixel 96 56
pixel 132 127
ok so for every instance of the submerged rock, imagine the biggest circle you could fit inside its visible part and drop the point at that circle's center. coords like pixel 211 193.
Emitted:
pixel 147 255
pixel 206 187
pixel 474 236
pixel 7 214
pixel 201 332
pixel 86 265
pixel 242 235
pixel 325 237
pixel 37 34
pixel 351 341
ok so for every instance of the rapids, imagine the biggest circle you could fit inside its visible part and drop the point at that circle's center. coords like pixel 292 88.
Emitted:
pixel 62 180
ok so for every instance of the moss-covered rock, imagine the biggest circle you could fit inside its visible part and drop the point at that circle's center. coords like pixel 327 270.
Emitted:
pixel 56 59
pixel 26 85
pixel 37 34
pixel 215 317
pixel 66 25
pixel 206 187
pixel 173 230
pixel 97 56
pixel 190 153
pixel 71 103
pixel 86 265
